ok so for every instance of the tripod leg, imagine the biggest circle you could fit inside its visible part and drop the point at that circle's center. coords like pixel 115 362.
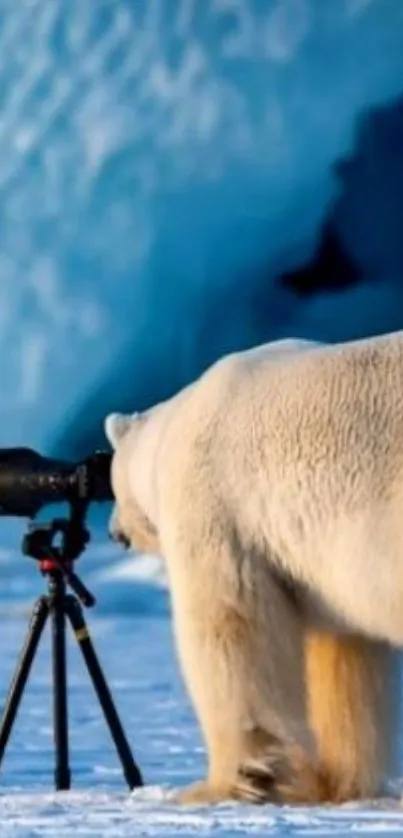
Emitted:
pixel 60 718
pixel 130 769
pixel 37 624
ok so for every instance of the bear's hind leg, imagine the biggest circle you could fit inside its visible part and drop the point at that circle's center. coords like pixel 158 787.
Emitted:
pixel 353 698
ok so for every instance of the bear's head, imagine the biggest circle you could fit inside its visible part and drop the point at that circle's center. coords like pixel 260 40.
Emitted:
pixel 129 523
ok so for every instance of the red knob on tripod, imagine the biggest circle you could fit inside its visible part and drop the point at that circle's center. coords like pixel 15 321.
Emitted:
pixel 51 565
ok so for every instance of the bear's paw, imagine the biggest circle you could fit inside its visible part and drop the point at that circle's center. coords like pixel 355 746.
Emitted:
pixel 275 772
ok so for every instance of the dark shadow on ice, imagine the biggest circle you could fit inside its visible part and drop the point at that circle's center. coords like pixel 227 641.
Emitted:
pixel 330 269
pixel 361 238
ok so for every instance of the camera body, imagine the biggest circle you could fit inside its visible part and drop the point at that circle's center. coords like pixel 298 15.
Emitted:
pixel 29 481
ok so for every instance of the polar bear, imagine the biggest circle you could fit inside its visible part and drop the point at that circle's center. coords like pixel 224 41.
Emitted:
pixel 273 488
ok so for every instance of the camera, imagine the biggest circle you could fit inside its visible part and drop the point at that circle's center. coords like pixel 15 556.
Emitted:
pixel 29 481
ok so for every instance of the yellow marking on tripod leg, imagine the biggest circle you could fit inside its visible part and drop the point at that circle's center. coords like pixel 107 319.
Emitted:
pixel 82 634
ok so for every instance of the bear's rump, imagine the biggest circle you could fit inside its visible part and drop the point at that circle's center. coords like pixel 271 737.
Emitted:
pixel 347 572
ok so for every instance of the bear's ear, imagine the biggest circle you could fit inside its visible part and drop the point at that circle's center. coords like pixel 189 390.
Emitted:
pixel 116 425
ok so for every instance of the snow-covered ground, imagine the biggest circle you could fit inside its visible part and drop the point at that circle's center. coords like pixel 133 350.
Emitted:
pixel 131 630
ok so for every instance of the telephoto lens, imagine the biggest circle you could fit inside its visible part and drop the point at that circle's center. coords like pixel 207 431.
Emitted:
pixel 29 481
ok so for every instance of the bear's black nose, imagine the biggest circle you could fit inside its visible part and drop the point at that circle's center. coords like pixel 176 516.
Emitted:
pixel 120 538
pixel 124 541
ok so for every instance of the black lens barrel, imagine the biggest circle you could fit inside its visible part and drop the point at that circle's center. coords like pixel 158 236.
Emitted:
pixel 29 481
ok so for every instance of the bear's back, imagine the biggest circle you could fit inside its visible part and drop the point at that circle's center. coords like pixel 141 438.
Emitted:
pixel 327 419
pixel 316 416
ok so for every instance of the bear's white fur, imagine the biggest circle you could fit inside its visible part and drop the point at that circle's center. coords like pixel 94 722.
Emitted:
pixel 273 487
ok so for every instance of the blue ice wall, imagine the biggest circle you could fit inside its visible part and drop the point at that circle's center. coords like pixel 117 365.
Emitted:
pixel 163 165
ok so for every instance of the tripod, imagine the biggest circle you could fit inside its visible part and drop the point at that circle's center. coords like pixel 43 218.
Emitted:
pixel 56 564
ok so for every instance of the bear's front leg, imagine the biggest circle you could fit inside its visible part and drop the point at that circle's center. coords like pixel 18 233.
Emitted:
pixel 240 640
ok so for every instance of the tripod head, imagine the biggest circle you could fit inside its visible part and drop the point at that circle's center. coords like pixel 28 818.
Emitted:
pixel 57 545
